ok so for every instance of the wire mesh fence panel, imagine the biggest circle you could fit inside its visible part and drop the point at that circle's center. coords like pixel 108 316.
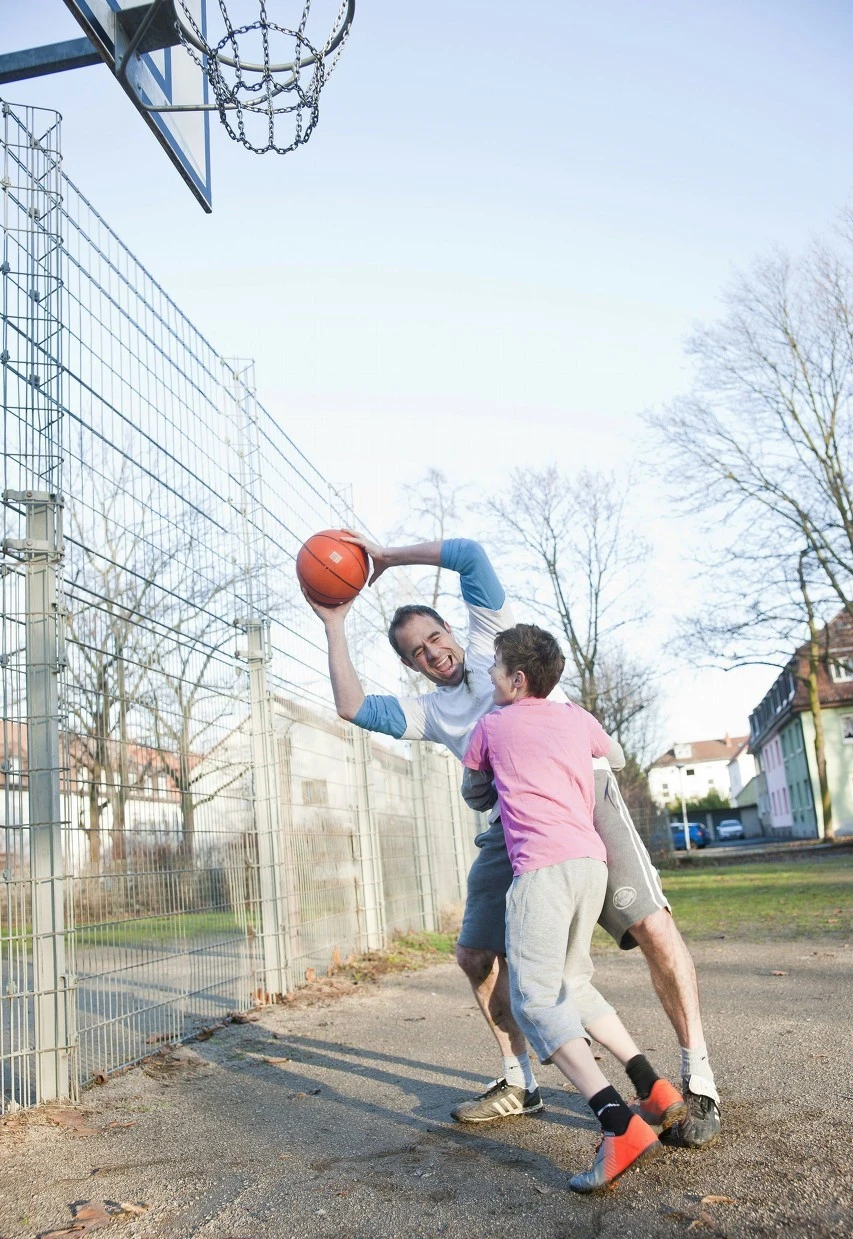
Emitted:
pixel 188 827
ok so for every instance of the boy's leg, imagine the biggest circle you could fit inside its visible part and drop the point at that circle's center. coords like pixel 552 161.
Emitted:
pixel 661 1104
pixel 551 913
pixel 481 954
pixel 636 913
pixel 626 1139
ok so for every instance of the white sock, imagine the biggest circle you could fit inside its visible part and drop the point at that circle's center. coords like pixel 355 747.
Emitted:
pixel 518 1071
pixel 696 1070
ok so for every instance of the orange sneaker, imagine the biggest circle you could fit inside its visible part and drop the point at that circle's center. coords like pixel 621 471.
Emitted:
pixel 664 1106
pixel 616 1154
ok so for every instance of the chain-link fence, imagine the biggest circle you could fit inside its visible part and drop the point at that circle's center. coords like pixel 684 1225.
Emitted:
pixel 188 827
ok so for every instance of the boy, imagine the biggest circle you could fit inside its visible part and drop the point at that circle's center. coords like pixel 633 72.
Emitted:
pixel 540 753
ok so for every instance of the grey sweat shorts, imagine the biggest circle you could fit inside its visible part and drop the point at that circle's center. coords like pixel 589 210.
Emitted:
pixel 633 885
pixel 550 916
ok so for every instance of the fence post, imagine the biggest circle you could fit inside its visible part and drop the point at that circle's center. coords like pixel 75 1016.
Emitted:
pixel 266 803
pixel 371 886
pixel 52 987
pixel 423 844
pixel 457 817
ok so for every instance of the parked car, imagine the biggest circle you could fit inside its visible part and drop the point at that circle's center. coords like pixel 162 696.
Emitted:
pixel 699 837
pixel 731 828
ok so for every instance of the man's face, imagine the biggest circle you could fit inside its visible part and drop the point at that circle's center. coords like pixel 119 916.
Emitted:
pixel 427 645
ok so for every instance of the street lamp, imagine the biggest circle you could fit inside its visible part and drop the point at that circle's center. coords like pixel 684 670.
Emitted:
pixel 680 770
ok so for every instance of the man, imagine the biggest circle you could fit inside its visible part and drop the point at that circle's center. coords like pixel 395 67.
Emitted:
pixel 635 912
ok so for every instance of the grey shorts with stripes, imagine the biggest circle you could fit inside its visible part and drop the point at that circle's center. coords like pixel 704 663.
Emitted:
pixel 633 885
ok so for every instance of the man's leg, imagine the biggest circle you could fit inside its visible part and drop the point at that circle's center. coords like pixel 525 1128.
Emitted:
pixel 481 954
pixel 636 913
pixel 489 977
pixel 674 978
pixel 673 974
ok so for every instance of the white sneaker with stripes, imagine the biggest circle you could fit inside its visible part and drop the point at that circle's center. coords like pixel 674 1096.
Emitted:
pixel 500 1101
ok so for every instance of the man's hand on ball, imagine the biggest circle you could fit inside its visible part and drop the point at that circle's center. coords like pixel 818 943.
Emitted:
pixel 329 615
pixel 378 554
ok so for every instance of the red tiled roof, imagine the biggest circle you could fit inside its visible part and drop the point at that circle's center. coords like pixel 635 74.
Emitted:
pixel 703 750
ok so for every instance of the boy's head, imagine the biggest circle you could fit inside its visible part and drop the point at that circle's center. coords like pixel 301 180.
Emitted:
pixel 425 643
pixel 528 663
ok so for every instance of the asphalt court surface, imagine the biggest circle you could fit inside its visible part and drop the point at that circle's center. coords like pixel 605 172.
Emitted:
pixel 332 1119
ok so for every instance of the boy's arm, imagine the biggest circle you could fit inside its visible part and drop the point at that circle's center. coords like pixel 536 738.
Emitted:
pixel 603 745
pixel 615 755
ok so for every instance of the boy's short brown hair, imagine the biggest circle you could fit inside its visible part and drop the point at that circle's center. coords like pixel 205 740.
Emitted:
pixel 535 652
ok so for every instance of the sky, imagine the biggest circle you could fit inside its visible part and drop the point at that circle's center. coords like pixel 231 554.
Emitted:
pixel 492 249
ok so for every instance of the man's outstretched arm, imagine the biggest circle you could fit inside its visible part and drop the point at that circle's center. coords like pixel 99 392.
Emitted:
pixel 346 686
pixel 427 554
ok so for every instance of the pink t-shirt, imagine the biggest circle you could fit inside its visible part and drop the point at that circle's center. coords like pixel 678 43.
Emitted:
pixel 540 753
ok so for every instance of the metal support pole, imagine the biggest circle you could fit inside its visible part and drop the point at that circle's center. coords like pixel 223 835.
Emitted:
pixel 52 986
pixel 459 812
pixel 273 909
pixel 684 809
pixel 371 887
pixel 423 848
pixel 52 58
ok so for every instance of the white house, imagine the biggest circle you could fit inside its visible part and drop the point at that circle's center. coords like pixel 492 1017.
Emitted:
pixel 697 767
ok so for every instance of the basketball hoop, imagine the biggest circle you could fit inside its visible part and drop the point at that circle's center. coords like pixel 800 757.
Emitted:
pixel 265 77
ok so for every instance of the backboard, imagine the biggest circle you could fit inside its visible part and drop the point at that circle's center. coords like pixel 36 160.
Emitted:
pixel 166 77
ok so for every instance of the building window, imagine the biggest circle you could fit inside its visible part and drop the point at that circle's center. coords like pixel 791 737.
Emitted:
pixel 847 728
pixel 664 787
pixel 689 772
pixel 841 671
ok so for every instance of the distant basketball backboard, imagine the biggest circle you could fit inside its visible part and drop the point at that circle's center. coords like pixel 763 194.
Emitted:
pixel 159 78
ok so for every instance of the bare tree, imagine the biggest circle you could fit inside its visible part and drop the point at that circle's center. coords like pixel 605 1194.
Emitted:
pixel 434 507
pixel 191 694
pixel 111 583
pixel 765 437
pixel 762 449
pixel 581 563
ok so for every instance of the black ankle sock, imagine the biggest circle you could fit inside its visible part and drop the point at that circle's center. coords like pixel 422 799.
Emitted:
pixel 611 1111
pixel 642 1075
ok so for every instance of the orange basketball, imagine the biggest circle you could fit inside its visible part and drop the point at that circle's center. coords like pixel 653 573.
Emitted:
pixel 330 570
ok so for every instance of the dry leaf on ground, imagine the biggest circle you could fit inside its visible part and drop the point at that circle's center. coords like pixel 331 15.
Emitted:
pixel 93 1214
pixel 266 1058
pixel 170 1065
pixel 703 1220
pixel 89 1215
pixel 718 1200
pixel 72 1120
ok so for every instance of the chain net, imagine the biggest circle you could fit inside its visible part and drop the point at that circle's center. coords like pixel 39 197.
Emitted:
pixel 265 77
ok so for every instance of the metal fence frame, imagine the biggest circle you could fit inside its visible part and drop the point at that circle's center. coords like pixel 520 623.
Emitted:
pixel 189 828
